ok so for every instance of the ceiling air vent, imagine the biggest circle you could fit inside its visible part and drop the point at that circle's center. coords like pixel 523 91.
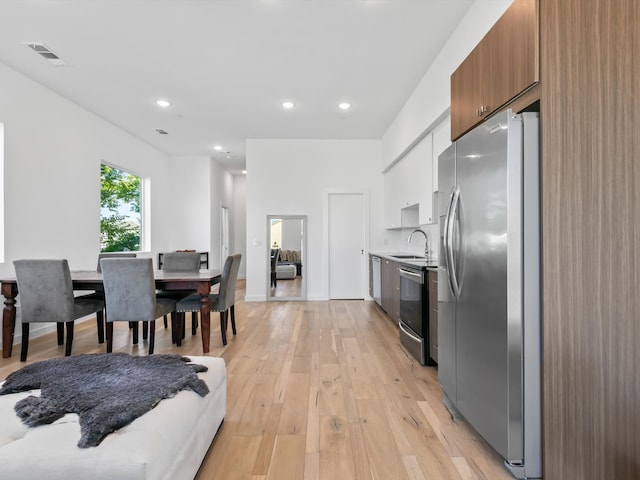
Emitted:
pixel 161 131
pixel 46 53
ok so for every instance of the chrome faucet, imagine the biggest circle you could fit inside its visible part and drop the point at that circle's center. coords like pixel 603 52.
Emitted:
pixel 426 242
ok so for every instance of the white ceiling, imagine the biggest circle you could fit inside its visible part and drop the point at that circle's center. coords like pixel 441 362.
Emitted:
pixel 227 65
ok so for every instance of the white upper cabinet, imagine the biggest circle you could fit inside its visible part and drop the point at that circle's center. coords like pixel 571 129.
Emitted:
pixel 408 188
pixel 425 179
pixel 392 190
pixel 441 140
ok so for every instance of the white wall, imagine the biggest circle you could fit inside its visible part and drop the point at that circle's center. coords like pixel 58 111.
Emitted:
pixel 291 234
pixel 221 196
pixel 53 151
pixel 437 140
pixel 239 223
pixel 190 187
pixel 199 188
pixel 427 110
pixel 292 177
pixel 431 99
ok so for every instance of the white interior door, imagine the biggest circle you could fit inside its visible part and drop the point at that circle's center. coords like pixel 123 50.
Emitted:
pixel 346 245
pixel 224 235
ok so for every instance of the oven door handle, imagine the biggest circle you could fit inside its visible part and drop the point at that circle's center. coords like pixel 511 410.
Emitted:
pixel 411 275
pixel 409 334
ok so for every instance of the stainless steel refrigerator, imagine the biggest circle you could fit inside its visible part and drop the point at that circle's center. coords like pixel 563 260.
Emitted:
pixel 489 286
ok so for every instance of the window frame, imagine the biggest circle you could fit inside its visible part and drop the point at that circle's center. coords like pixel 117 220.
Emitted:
pixel 144 211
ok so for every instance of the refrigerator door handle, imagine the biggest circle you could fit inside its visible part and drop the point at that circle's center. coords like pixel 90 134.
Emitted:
pixel 445 240
pixel 451 258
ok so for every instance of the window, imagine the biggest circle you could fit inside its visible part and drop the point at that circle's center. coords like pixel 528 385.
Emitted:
pixel 276 232
pixel 120 217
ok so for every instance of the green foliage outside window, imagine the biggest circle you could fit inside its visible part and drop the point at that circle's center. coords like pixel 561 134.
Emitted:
pixel 120 221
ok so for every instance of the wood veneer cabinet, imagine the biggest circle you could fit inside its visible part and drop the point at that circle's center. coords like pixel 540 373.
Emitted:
pixel 467 85
pixel 390 281
pixel 433 314
pixel 503 65
pixel 590 119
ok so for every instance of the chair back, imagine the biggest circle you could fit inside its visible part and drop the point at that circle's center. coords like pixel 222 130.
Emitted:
pixel 181 261
pixel 114 255
pixel 275 256
pixel 228 280
pixel 45 290
pixel 129 289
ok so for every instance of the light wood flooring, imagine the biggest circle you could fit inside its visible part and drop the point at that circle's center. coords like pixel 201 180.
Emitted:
pixel 317 390
pixel 288 288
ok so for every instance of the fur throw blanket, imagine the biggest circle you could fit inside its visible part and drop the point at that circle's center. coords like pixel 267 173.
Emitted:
pixel 107 391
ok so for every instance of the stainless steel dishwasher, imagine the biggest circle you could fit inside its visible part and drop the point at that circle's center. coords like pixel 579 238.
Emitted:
pixel 377 287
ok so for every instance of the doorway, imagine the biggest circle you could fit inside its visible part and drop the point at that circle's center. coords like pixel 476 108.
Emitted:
pixel 286 257
pixel 224 235
pixel 346 245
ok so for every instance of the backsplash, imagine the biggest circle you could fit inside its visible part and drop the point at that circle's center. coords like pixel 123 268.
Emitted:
pixel 396 241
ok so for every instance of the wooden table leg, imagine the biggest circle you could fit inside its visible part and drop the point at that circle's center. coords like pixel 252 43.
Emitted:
pixel 205 316
pixel 9 291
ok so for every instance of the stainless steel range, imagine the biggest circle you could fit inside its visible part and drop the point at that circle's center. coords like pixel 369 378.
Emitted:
pixel 414 312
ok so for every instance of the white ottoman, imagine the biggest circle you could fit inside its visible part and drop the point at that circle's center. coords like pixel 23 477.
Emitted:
pixel 169 442
pixel 285 271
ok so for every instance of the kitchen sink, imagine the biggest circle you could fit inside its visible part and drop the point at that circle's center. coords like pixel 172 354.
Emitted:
pixel 408 257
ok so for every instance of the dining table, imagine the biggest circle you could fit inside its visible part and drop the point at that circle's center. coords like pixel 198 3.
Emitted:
pixel 200 282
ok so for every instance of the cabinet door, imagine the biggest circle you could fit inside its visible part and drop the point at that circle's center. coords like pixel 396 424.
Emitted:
pixel 433 315
pixel 385 285
pixel 370 277
pixel 503 65
pixel 512 65
pixel 425 180
pixel 466 93
pixel 392 189
pixel 390 289
pixel 395 293
pixel 410 170
pixel 441 140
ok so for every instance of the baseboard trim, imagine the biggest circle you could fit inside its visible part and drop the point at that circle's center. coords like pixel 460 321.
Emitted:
pixel 255 298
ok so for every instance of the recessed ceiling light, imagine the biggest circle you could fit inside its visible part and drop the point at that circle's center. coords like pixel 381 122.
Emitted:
pixel 163 103
pixel 217 148
pixel 288 105
pixel 344 106
pixel 244 172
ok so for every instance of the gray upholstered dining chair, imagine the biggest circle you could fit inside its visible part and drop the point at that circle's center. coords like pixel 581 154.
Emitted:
pixel 180 262
pixel 100 295
pixel 275 256
pixel 130 295
pixel 46 295
pixel 223 301
pixel 113 255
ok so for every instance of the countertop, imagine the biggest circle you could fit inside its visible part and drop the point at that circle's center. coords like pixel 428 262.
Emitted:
pixel 420 263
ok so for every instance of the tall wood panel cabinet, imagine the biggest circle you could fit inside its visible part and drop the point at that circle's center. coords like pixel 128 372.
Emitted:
pixel 502 66
pixel 590 119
